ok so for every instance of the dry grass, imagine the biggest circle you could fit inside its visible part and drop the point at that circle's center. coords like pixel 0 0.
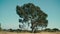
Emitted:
pixel 29 33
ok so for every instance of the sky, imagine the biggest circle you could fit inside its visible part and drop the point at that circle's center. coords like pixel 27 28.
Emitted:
pixel 9 18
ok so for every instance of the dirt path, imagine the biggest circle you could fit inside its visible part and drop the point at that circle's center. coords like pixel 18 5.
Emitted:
pixel 30 33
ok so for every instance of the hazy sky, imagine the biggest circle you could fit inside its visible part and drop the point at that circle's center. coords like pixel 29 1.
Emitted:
pixel 9 18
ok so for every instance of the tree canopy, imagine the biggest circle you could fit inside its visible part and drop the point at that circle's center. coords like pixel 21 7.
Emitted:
pixel 33 13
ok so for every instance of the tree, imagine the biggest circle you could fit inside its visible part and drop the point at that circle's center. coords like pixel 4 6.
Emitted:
pixel 48 29
pixel 55 29
pixel 30 12
pixel 11 30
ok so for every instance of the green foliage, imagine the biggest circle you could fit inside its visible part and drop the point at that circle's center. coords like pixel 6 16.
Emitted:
pixel 55 29
pixel 51 30
pixel 34 13
pixel 48 29
pixel 11 30
pixel 0 27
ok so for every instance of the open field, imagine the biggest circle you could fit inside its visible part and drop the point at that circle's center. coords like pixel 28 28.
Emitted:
pixel 30 33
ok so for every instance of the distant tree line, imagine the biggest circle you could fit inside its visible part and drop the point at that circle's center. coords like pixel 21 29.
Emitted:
pixel 45 30
pixel 19 30
pixel 52 30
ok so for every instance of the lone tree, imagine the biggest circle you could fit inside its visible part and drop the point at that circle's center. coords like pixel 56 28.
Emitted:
pixel 30 12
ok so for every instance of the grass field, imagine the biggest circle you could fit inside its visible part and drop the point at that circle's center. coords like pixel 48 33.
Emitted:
pixel 29 33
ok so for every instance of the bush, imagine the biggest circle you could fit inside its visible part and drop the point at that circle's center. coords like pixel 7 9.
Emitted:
pixel 48 29
pixel 11 30
pixel 55 29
